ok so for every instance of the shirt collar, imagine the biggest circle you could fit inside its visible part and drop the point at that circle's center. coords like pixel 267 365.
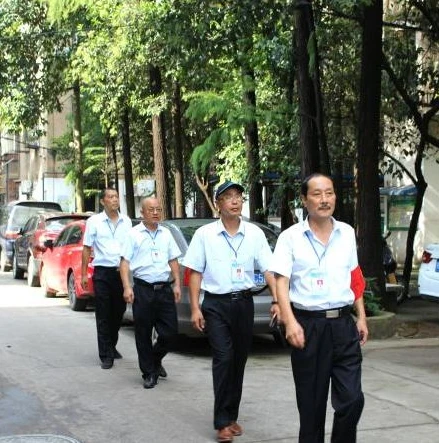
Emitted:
pixel 105 217
pixel 306 228
pixel 142 227
pixel 221 228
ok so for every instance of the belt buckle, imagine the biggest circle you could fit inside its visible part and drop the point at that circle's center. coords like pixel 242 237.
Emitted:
pixel 235 295
pixel 157 287
pixel 333 313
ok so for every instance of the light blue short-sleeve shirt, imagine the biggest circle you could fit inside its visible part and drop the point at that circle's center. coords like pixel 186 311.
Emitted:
pixel 149 252
pixel 301 257
pixel 213 252
pixel 106 238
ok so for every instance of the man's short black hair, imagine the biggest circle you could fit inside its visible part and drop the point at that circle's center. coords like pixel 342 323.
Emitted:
pixel 304 185
pixel 104 191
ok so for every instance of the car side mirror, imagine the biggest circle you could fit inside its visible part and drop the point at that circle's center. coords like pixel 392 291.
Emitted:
pixel 48 243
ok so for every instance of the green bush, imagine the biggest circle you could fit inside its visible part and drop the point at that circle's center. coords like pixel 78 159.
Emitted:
pixel 372 298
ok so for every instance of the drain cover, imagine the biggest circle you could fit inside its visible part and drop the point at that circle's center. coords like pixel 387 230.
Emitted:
pixel 39 438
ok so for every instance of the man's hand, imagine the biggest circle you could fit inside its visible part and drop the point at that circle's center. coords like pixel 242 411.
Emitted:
pixel 198 320
pixel 84 282
pixel 275 311
pixel 177 293
pixel 294 334
pixel 362 330
pixel 128 294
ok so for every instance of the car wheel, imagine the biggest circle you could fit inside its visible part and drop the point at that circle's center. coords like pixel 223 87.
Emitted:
pixel 43 282
pixel 17 273
pixel 33 278
pixel 76 304
pixel 4 267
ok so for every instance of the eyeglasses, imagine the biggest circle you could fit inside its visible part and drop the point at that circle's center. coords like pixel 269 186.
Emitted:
pixel 154 210
pixel 229 198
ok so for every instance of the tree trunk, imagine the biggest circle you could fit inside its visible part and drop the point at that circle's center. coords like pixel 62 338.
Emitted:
pixel 79 149
pixel 421 187
pixel 368 206
pixel 305 88
pixel 180 210
pixel 159 148
pixel 251 136
pixel 127 164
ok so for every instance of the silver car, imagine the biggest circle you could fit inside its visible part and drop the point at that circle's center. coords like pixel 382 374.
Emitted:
pixel 183 230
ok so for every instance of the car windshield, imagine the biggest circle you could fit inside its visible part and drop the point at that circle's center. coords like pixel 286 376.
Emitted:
pixel 21 215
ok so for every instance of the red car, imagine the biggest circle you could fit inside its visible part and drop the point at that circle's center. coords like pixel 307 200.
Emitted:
pixel 60 271
pixel 29 244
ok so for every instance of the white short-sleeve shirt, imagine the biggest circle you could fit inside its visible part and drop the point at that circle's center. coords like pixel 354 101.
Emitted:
pixel 149 252
pixel 213 252
pixel 106 238
pixel 320 275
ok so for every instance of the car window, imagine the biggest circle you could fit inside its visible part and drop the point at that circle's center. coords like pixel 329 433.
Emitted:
pixel 62 238
pixel 30 225
pixel 271 237
pixel 75 236
pixel 57 224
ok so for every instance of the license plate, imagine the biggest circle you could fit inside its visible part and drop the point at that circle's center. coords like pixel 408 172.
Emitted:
pixel 437 265
pixel 259 279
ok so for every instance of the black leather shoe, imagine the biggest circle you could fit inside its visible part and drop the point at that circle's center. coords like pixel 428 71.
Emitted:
pixel 150 381
pixel 117 354
pixel 162 372
pixel 107 363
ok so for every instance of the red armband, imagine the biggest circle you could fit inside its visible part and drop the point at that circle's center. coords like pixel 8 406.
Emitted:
pixel 358 284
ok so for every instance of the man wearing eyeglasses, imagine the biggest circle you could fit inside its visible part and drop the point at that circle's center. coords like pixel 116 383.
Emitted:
pixel 150 257
pixel 222 257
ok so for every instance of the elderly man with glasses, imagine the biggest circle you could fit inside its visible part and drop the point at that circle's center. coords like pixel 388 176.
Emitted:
pixel 150 258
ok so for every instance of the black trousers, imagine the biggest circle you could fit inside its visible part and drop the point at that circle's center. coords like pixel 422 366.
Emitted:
pixel 229 328
pixel 153 309
pixel 109 310
pixel 332 353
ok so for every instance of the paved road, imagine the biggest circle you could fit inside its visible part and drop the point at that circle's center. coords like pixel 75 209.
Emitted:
pixel 51 383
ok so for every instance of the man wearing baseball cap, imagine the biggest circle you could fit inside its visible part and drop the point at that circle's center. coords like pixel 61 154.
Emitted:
pixel 222 257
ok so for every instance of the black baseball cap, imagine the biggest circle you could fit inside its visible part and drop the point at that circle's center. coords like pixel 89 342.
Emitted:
pixel 227 185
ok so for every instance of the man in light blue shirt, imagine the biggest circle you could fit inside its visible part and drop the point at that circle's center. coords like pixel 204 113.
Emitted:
pixel 222 258
pixel 150 257
pixel 104 234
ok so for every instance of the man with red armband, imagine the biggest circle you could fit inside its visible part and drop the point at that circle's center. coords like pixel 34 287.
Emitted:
pixel 318 282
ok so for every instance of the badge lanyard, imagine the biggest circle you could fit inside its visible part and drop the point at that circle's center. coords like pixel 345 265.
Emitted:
pixel 319 257
pixel 113 231
pixel 235 251
pixel 152 236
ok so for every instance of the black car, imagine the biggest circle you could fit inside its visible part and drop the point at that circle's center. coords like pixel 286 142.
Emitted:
pixel 13 216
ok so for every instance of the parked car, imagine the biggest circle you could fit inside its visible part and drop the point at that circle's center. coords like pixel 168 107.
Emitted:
pixel 29 245
pixel 13 216
pixel 183 231
pixel 428 278
pixel 60 270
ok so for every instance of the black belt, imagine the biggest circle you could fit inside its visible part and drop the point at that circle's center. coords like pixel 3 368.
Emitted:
pixel 326 313
pixel 156 286
pixel 235 295
pixel 108 268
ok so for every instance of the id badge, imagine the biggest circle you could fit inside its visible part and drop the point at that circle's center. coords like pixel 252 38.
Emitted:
pixel 238 273
pixel 155 255
pixel 319 283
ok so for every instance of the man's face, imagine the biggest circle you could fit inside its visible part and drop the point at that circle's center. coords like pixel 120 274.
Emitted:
pixel 151 211
pixel 320 198
pixel 230 202
pixel 110 201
